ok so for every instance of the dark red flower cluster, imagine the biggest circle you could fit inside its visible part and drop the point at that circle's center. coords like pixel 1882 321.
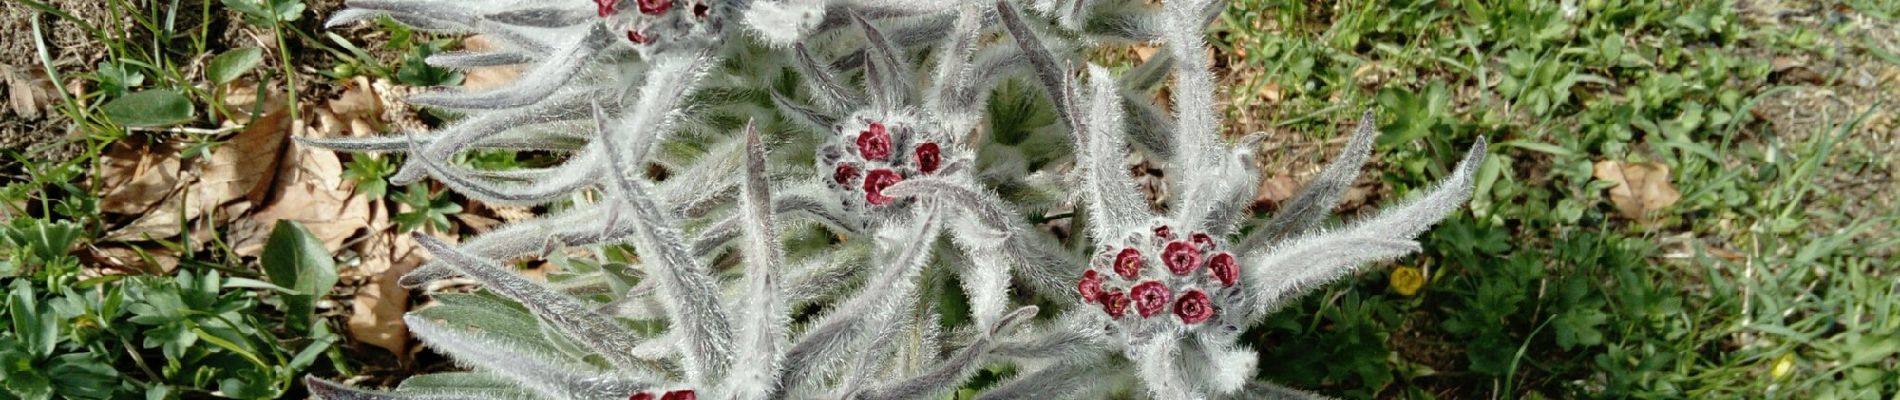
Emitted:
pixel 672 395
pixel 639 33
pixel 1151 293
pixel 654 7
pixel 605 7
pixel 882 163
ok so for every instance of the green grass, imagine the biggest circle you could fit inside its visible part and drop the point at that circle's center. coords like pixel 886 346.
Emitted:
pixel 1546 291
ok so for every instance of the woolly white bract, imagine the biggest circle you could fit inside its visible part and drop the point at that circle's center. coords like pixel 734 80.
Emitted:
pixel 882 248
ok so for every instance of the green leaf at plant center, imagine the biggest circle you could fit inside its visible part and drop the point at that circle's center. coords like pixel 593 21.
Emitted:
pixel 295 260
pixel 150 108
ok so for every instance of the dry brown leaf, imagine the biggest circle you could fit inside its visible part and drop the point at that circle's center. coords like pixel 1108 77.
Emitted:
pixel 489 77
pixel 486 77
pixel 230 181
pixel 28 90
pixel 1641 188
pixel 1270 94
pixel 1371 74
pixel 1144 52
pixel 377 308
pixel 356 112
pixel 241 98
pixel 482 217
pixel 477 223
pixel 359 100
pixel 135 175
pixel 1274 190
pixel 512 213
pixel 164 221
pixel 376 312
pixel 243 168
pixel 130 259
pixel 311 190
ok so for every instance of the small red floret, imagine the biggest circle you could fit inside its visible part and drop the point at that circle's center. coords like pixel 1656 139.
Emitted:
pixel 605 7
pixel 1150 298
pixel 1181 257
pixel 1205 242
pixel 929 157
pixel 1090 287
pixel 680 395
pixel 638 38
pixel 641 396
pixel 1193 307
pixel 874 143
pixel 844 174
pixel 1115 303
pixel 1164 232
pixel 1224 268
pixel 876 181
pixel 1128 263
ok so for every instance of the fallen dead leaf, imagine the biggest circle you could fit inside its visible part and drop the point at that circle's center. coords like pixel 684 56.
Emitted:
pixel 486 77
pixel 476 222
pixel 241 99
pixel 1641 188
pixel 135 175
pixel 1144 52
pixel 309 189
pixel 356 112
pixel 482 217
pixel 1274 190
pixel 244 167
pixel 1270 94
pixel 512 213
pixel 28 90
pixel 230 181
pixel 377 308
pixel 1371 74
pixel 129 259
pixel 359 100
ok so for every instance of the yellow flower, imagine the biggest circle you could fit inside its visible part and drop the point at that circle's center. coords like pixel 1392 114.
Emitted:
pixel 1783 366
pixel 1407 279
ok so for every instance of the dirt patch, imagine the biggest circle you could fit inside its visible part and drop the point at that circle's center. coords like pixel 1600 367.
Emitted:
pixel 68 42
pixel 29 123
pixel 1855 74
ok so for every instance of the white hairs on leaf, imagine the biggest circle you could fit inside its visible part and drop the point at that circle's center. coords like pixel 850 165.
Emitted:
pixel 762 318
pixel 1278 273
pixel 782 23
pixel 1114 202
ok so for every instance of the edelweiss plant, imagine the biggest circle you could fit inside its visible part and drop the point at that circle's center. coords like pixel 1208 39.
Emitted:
pixel 715 348
pixel 839 260
pixel 1173 288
